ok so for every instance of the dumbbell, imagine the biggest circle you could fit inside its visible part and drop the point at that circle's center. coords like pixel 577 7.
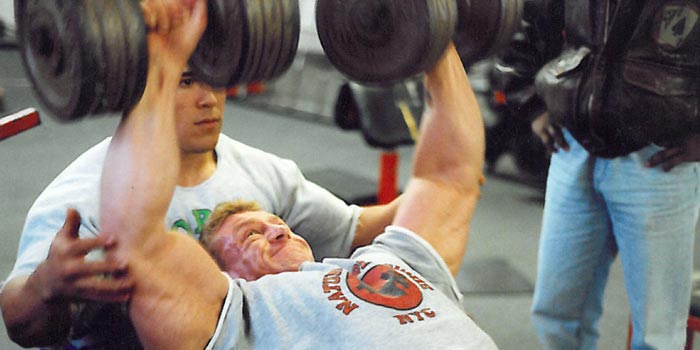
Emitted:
pixel 246 41
pixel 386 41
pixel 89 57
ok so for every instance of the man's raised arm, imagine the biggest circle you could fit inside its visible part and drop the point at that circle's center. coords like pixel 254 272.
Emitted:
pixel 447 168
pixel 35 308
pixel 178 288
pixel 142 163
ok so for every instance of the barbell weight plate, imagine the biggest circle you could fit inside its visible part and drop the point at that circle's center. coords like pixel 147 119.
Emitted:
pixel 53 57
pixel 219 54
pixel 382 41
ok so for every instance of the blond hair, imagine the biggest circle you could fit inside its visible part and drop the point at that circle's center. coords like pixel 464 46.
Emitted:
pixel 220 213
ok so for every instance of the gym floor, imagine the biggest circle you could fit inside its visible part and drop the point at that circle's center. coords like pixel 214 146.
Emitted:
pixel 500 265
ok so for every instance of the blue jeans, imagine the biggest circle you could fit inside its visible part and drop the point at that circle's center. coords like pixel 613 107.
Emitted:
pixel 595 208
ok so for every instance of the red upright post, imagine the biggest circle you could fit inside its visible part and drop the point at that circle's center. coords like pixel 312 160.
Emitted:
pixel 387 188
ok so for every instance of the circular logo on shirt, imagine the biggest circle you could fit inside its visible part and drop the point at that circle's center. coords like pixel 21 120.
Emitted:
pixel 674 22
pixel 384 286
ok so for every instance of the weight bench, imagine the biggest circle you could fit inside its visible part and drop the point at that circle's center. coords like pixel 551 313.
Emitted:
pixel 388 117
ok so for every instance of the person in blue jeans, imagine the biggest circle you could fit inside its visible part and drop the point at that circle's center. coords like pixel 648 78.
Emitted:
pixel 630 188
pixel 596 208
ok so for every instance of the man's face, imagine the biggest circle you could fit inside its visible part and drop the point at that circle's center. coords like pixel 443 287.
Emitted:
pixel 252 244
pixel 199 110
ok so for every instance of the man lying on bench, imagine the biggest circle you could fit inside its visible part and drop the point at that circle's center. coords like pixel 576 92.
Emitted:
pixel 396 293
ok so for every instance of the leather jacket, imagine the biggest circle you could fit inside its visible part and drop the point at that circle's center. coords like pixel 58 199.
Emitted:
pixel 631 83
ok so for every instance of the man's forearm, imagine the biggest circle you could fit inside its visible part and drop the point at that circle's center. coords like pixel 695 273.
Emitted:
pixel 143 161
pixel 454 145
pixel 30 320
pixel 447 167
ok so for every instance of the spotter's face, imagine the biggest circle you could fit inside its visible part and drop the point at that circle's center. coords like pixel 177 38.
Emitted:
pixel 199 110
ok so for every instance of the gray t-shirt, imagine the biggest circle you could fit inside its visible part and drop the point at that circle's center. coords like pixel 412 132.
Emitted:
pixel 325 221
pixel 395 294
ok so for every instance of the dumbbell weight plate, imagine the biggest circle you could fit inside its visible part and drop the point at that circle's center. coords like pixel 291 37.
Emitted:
pixel 443 27
pixel 114 53
pixel 90 56
pixel 384 41
pixel 136 52
pixel 273 32
pixel 255 28
pixel 485 27
pixel 282 27
pixel 219 55
pixel 53 57
pixel 91 42
pixel 291 26
pixel 272 38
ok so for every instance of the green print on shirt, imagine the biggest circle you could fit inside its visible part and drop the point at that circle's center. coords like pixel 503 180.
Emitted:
pixel 200 216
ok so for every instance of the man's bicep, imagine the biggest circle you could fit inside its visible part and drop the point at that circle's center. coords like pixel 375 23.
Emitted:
pixel 440 213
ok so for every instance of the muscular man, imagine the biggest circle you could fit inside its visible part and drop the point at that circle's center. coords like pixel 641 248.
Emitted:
pixel 52 293
pixel 181 299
